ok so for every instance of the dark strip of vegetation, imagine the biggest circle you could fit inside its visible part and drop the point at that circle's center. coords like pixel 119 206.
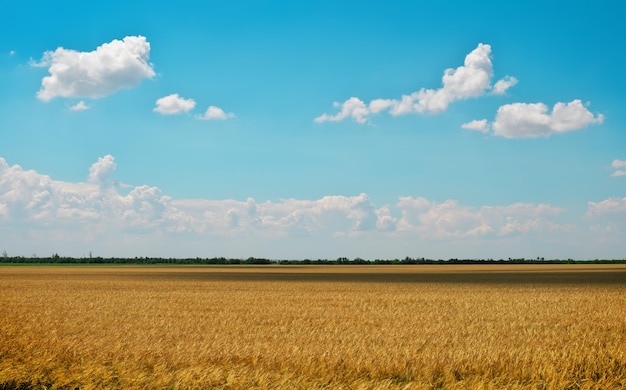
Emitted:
pixel 57 259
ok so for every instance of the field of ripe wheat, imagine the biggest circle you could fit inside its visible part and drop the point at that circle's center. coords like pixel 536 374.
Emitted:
pixel 290 327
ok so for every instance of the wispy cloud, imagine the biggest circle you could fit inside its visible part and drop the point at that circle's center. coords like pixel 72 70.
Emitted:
pixel 478 125
pixel 620 168
pixel 501 86
pixel 607 206
pixel 472 79
pixel 80 106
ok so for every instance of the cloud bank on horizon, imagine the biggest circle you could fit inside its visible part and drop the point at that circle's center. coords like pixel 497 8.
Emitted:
pixel 97 209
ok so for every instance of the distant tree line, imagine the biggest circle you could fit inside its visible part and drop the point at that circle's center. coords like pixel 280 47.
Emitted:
pixel 57 259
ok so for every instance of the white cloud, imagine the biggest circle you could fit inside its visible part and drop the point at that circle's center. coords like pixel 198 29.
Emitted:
pixel 174 104
pixel 530 120
pixel 147 222
pixel 23 191
pixel 607 206
pixel 618 165
pixel 112 66
pixel 501 86
pixel 450 220
pixel 330 214
pixel 80 106
pixel 522 120
pixel 478 125
pixel 353 107
pixel 95 205
pixel 145 209
pixel 12 53
pixel 101 171
pixel 215 113
pixel 608 222
pixel 472 79
pixel 30 196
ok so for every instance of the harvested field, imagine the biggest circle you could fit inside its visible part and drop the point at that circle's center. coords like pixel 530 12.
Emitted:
pixel 350 327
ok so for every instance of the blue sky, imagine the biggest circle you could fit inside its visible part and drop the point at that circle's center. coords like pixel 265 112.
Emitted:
pixel 313 129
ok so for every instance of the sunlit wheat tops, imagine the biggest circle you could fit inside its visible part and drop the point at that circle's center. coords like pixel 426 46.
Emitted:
pixel 283 327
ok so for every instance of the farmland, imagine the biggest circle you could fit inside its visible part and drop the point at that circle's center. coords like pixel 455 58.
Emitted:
pixel 271 327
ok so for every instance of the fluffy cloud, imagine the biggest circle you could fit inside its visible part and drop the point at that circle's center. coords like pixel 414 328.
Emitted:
pixel 100 172
pixel 530 120
pixel 112 66
pixel 620 168
pixel 522 120
pixel 30 196
pixel 472 79
pixel 331 215
pixel 353 108
pixel 215 113
pixel 174 104
pixel 93 205
pixel 21 191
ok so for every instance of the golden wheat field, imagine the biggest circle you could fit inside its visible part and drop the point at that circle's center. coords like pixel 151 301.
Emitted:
pixel 314 327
